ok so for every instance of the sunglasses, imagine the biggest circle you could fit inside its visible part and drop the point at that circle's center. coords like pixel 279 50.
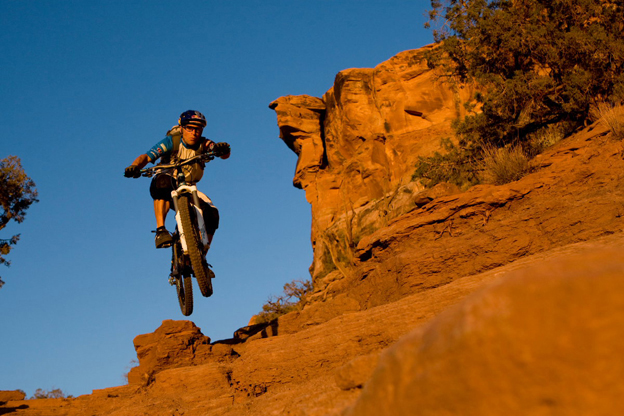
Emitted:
pixel 193 129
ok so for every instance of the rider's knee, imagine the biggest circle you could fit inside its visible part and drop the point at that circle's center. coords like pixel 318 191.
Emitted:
pixel 211 218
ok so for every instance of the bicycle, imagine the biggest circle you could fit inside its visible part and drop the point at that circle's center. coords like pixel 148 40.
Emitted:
pixel 190 239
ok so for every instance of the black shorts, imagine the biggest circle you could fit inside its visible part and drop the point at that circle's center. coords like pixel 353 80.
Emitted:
pixel 161 188
pixel 211 217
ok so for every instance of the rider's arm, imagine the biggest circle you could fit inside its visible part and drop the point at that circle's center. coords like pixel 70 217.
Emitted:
pixel 141 161
pixel 159 149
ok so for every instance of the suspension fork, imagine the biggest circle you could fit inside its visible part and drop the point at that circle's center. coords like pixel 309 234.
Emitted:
pixel 196 206
pixel 185 188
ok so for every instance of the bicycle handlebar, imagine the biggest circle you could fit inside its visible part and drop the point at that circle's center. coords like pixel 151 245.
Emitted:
pixel 206 157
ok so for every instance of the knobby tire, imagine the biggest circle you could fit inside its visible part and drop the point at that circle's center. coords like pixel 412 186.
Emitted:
pixel 184 283
pixel 185 294
pixel 194 246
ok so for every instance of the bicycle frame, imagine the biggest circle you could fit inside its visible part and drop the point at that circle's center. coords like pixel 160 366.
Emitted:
pixel 183 188
pixel 199 214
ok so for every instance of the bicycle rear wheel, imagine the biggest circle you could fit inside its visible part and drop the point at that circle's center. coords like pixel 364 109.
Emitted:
pixel 183 281
pixel 194 245
pixel 184 287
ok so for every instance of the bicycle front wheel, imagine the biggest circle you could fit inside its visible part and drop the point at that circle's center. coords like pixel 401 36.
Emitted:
pixel 194 245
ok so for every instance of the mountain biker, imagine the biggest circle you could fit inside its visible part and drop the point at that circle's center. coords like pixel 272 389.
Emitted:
pixel 172 149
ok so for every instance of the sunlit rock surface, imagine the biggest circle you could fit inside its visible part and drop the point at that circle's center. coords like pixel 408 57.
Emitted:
pixel 492 300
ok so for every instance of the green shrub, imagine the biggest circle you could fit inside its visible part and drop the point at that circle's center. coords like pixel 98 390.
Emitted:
pixel 535 63
pixel 458 165
pixel 50 394
pixel 293 299
pixel 17 193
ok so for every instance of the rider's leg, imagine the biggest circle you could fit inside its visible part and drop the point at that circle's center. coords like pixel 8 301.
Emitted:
pixel 160 190
pixel 211 221
pixel 161 208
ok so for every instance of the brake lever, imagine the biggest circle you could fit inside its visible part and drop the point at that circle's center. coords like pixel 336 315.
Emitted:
pixel 206 157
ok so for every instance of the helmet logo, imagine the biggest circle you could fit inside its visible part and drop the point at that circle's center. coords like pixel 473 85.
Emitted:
pixel 192 117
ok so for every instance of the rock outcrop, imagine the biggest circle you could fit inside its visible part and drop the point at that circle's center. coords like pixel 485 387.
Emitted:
pixel 11 395
pixel 358 147
pixel 492 300
pixel 545 339
pixel 173 344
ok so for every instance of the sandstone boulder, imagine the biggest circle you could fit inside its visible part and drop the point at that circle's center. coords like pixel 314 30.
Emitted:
pixel 546 339
pixel 11 395
pixel 173 344
pixel 356 372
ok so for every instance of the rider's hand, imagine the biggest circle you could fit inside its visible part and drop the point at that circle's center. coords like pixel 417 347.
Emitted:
pixel 132 171
pixel 221 149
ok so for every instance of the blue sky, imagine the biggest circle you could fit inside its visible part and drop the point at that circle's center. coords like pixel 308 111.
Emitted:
pixel 86 87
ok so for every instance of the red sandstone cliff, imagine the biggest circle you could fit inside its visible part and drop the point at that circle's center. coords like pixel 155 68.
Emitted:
pixel 358 148
pixel 497 300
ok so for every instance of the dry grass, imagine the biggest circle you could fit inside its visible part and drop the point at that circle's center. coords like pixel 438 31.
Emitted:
pixel 504 165
pixel 544 138
pixel 613 116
